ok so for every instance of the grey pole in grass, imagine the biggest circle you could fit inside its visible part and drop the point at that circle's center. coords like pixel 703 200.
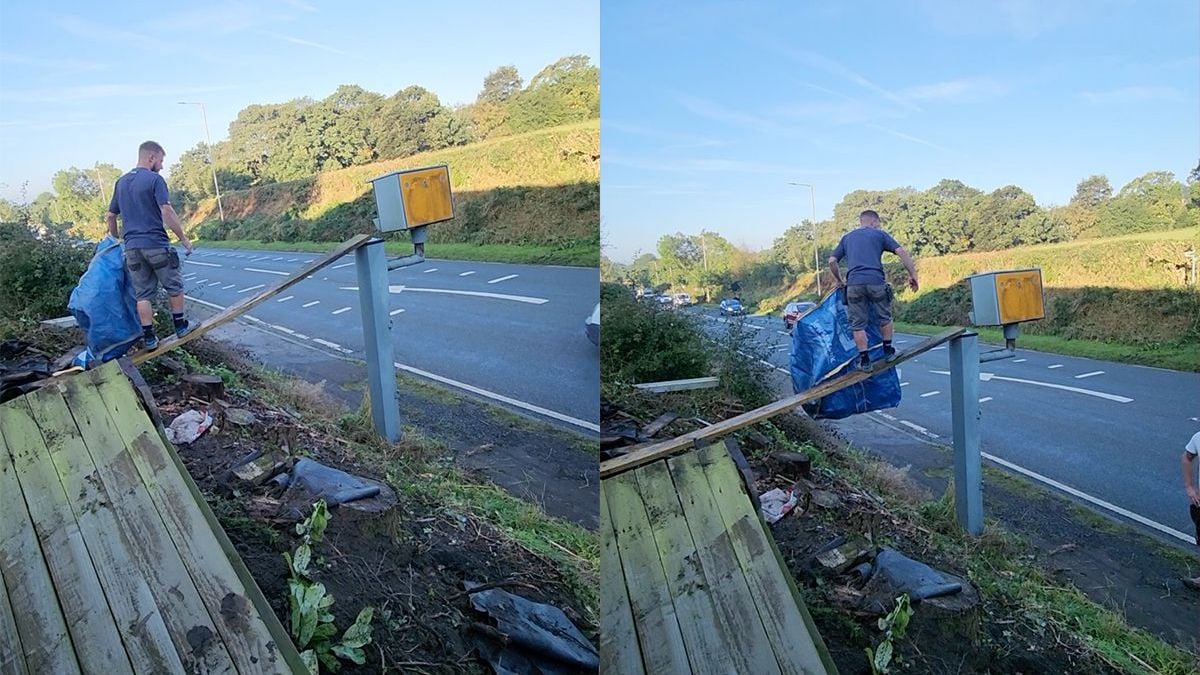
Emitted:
pixel 372 267
pixel 964 404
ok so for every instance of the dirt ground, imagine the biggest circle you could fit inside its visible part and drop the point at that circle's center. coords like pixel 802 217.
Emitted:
pixel 409 564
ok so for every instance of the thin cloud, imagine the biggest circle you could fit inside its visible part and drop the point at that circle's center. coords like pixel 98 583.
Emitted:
pixel 306 43
pixel 672 140
pixel 957 91
pixel 222 20
pixel 96 32
pixel 100 91
pixel 908 137
pixel 821 62
pixel 711 111
pixel 1133 94
pixel 51 64
pixel 707 165
pixel 300 5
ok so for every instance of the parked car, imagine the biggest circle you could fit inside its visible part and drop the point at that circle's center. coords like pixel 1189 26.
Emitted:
pixel 794 311
pixel 666 301
pixel 681 299
pixel 732 306
pixel 592 325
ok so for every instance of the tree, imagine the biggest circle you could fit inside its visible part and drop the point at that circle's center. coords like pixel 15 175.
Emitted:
pixel 10 212
pixel 500 85
pixel 567 90
pixel 1092 192
pixel 1152 201
pixel 1193 187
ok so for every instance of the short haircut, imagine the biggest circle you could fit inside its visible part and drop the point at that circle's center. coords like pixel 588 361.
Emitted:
pixel 870 213
pixel 151 146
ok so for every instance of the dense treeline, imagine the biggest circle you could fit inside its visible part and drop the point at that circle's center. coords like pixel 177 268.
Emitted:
pixel 276 142
pixel 949 217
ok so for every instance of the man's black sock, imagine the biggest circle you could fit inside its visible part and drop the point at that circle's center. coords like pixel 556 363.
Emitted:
pixel 177 317
pixel 148 332
pixel 887 343
pixel 864 357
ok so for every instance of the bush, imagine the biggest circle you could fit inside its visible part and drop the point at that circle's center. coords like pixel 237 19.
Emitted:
pixel 37 274
pixel 641 343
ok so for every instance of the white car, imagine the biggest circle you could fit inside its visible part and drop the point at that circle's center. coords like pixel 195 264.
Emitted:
pixel 592 325
pixel 681 300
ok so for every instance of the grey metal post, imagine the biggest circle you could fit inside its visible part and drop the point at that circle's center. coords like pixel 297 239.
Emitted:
pixel 964 399
pixel 371 262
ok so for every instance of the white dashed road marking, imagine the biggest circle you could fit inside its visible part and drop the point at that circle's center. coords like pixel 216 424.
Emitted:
pixel 252 288
pixel 1019 360
pixel 431 269
pixel 394 312
pixel 918 428
pixel 927 394
pixel 339 311
pixel 225 288
pixel 504 278
pixel 985 399
pixel 285 298
pixel 1091 374
pixel 467 273
pixel 314 302
pixel 1057 365
pixel 338 267
pixel 255 269
pixel 197 262
pixel 478 294
pixel 201 281
pixel 215 283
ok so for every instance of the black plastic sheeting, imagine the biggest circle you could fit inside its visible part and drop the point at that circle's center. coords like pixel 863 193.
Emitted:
pixel 310 481
pixel 541 639
pixel 894 573
pixel 19 370
pixel 823 348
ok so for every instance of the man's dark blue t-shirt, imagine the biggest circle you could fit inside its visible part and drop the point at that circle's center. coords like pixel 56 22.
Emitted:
pixel 863 250
pixel 138 198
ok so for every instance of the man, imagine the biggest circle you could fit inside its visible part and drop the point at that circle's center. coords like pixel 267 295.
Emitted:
pixel 1190 451
pixel 867 291
pixel 140 198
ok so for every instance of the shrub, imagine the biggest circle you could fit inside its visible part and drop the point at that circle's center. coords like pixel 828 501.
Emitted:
pixel 641 343
pixel 37 274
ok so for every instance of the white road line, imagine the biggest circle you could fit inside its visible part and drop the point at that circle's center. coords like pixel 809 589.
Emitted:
pixel 338 267
pixel 918 428
pixel 310 304
pixel 265 257
pixel 339 311
pixel 285 298
pixel 302 336
pixel 1078 390
pixel 480 294
pixel 201 281
pixel 292 259
pixel 1091 374
pixel 927 394
pixel 197 262
pixel 327 343
pixel 887 416
pixel 206 303
pixel 252 288
pixel 938 348
pixel 215 283
pixel 285 329
pixel 1057 365
pixel 1019 360
pixel 1191 539
pixel 189 275
pixel 279 258
pixel 431 269
pixel 467 273
pixel 394 312
pixel 502 398
pixel 985 399
pixel 225 288
pixel 255 269
pixel 504 278
pixel 903 384
pixel 783 332
pixel 255 319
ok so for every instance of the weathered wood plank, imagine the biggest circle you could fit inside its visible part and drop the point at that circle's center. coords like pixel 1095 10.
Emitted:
pixel 778 604
pixel 237 618
pixel 45 642
pixel 234 311
pixel 619 652
pixel 650 603
pixel 12 657
pixel 114 548
pixel 98 645
pixel 651 453
pixel 679 385
pixel 705 634
pixel 737 614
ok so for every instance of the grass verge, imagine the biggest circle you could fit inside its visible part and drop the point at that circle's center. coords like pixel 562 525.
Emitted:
pixel 576 255
pixel 1176 357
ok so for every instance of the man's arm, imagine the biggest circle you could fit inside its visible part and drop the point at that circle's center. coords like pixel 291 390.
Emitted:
pixel 837 273
pixel 111 219
pixel 1189 477
pixel 172 222
pixel 909 265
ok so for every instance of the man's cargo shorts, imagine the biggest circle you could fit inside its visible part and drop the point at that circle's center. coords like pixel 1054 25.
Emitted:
pixel 149 267
pixel 863 300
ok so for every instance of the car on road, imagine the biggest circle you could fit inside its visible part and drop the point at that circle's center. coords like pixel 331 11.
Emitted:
pixel 732 306
pixel 592 325
pixel 794 311
pixel 681 300
pixel 665 301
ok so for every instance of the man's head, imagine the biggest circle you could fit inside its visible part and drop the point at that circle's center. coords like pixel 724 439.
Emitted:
pixel 868 218
pixel 151 155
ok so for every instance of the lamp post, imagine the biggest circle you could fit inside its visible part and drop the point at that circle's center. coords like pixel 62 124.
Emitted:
pixel 816 248
pixel 208 148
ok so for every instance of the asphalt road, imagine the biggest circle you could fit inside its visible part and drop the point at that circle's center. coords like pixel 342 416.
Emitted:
pixel 1114 432
pixel 513 334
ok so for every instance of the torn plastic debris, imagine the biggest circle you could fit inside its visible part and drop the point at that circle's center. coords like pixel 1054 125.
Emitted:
pixel 20 376
pixel 895 573
pixel 310 480
pixel 188 426
pixel 104 307
pixel 540 637
pixel 775 504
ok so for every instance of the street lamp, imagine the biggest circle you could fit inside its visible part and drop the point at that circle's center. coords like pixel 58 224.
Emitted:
pixel 816 248
pixel 208 147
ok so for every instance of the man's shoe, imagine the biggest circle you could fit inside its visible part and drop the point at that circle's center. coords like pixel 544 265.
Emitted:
pixel 889 354
pixel 187 328
pixel 150 343
pixel 864 366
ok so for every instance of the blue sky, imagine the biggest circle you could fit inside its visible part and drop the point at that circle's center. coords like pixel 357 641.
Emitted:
pixel 710 109
pixel 85 81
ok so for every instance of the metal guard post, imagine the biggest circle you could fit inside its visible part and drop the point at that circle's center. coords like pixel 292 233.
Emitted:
pixel 964 396
pixel 372 267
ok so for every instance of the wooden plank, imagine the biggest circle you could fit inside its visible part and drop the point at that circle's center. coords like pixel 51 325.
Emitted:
pixel 654 616
pixel 234 311
pixel 679 385
pixel 737 609
pixel 778 605
pixel 90 623
pixel 706 634
pixel 651 453
pixel 116 549
pixel 12 657
pixel 659 424
pixel 45 642
pixel 239 622
pixel 619 651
